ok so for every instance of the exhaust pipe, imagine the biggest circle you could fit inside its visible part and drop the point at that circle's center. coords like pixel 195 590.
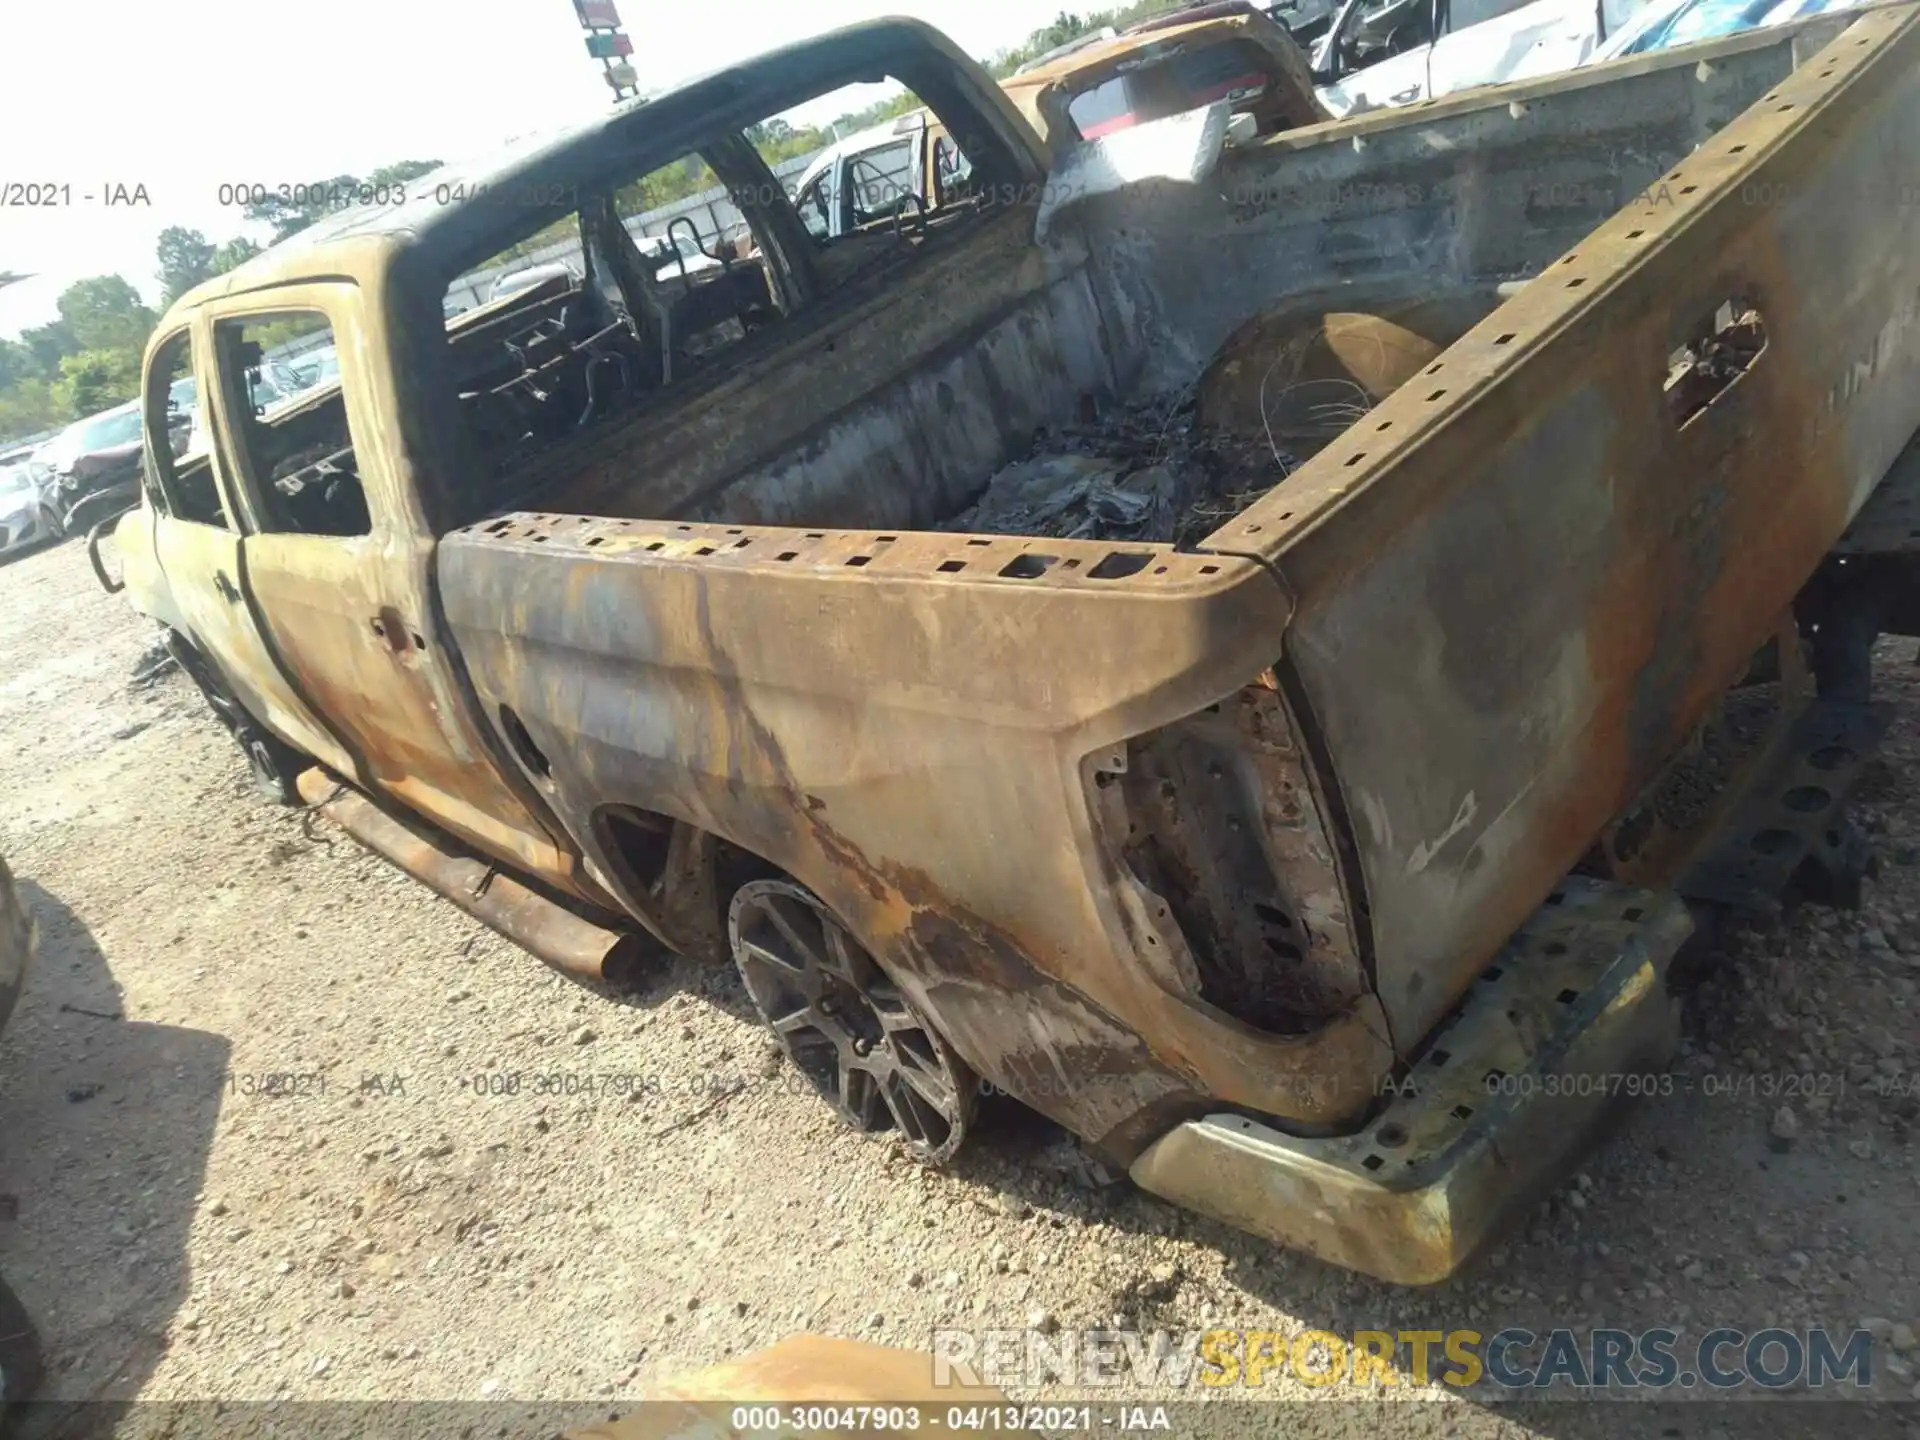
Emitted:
pixel 568 942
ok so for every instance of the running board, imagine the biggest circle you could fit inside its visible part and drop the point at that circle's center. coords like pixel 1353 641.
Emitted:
pixel 539 925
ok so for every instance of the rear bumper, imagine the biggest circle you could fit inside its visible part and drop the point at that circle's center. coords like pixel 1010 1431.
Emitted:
pixel 1571 1022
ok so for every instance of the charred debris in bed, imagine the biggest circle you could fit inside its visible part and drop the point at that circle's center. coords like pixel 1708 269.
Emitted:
pixel 1142 471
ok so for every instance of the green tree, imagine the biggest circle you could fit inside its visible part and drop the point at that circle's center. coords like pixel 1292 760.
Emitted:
pixel 236 251
pixel 186 259
pixel 1067 26
pixel 27 406
pixel 305 205
pixel 406 170
pixel 96 380
pixel 47 343
pixel 104 312
pixel 18 363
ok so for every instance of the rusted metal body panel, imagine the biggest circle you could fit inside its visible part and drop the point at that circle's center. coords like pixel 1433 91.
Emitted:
pixel 1519 586
pixel 199 569
pixel 350 620
pixel 323 639
pixel 896 404
pixel 883 732
pixel 1435 205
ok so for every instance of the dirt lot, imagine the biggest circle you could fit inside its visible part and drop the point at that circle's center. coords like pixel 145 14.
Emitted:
pixel 392 1230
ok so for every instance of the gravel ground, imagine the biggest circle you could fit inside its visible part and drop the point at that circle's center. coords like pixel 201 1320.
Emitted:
pixel 387 1230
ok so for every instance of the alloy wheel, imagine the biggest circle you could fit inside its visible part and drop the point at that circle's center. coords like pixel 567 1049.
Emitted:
pixel 845 1026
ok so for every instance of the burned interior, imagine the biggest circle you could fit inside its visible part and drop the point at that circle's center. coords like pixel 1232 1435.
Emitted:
pixel 552 375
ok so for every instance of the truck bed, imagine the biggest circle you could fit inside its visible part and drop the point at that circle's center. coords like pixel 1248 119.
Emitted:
pixel 1417 217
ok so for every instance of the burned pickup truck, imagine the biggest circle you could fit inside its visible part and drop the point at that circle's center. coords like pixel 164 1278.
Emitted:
pixel 1252 652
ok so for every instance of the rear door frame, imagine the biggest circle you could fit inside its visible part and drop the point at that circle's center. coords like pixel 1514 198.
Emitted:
pixel 381 641
pixel 205 567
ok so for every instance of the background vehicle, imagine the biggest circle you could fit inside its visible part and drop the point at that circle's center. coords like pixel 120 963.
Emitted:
pixel 1664 23
pixel 29 504
pixel 677 255
pixel 1159 69
pixel 893 173
pixel 314 367
pixel 1544 38
pixel 1305 20
pixel 514 282
pixel 897 172
pixel 1258 819
pixel 97 455
pixel 1388 55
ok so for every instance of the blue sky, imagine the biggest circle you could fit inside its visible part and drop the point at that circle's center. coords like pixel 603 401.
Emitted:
pixel 182 98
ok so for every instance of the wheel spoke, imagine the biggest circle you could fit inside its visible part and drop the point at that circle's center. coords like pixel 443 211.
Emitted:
pixel 857 1087
pixel 933 1086
pixel 809 1048
pixel 894 1016
pixel 900 1106
pixel 803 1018
pixel 843 957
pixel 759 952
pixel 806 952
pixel 844 1079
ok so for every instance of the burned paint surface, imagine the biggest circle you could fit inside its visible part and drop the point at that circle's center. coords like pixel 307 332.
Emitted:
pixel 907 760
pixel 943 795
pixel 350 621
pixel 1215 818
pixel 1590 577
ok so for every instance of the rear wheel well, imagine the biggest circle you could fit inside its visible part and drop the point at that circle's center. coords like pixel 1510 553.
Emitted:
pixel 686 880
pixel 680 877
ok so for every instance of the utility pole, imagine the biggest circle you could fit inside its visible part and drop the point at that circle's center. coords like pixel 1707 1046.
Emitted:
pixel 609 44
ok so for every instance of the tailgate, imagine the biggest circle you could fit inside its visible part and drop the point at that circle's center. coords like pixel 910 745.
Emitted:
pixel 1523 578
